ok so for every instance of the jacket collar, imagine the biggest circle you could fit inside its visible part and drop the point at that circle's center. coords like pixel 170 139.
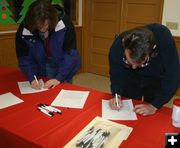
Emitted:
pixel 60 25
pixel 26 32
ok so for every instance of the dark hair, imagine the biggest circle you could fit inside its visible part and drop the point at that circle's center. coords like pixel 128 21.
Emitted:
pixel 140 41
pixel 40 11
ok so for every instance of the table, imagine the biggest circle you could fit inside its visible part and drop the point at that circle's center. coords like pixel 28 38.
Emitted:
pixel 23 126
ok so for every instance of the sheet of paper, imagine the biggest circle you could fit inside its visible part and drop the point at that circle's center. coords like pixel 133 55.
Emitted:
pixel 70 98
pixel 125 113
pixel 25 87
pixel 8 99
pixel 100 133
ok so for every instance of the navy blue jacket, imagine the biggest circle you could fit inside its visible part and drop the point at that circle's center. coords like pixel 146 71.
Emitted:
pixel 165 66
pixel 32 56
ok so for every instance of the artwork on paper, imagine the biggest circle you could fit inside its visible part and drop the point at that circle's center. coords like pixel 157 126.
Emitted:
pixel 94 137
pixel 100 133
pixel 6 16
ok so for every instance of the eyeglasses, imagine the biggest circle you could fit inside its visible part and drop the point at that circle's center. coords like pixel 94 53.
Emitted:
pixel 127 65
pixel 152 55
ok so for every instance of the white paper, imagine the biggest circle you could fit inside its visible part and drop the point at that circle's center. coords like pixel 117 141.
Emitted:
pixel 70 98
pixel 25 87
pixel 125 113
pixel 8 99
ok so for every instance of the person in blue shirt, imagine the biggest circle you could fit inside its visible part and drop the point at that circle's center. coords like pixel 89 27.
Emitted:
pixel 46 45
pixel 144 63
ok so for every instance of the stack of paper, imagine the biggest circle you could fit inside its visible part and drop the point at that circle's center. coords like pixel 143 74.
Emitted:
pixel 100 133
pixel 70 98
pixel 25 87
pixel 8 99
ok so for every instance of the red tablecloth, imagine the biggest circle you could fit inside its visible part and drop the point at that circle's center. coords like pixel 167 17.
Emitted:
pixel 23 126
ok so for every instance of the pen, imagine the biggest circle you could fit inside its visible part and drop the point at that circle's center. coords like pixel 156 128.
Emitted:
pixel 50 108
pixel 36 79
pixel 54 109
pixel 45 111
pixel 117 102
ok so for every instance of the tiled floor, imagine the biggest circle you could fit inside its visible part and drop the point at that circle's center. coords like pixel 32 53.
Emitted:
pixel 98 82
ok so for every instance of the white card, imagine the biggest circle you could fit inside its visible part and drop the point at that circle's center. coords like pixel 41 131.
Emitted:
pixel 8 99
pixel 70 98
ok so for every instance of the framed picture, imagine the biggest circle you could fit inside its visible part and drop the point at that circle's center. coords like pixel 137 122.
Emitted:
pixel 71 8
pixel 74 9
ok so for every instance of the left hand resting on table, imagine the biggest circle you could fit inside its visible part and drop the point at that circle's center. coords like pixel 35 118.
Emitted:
pixel 145 109
pixel 51 83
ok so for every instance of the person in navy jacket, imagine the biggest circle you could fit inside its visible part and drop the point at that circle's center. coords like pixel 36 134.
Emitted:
pixel 144 63
pixel 46 45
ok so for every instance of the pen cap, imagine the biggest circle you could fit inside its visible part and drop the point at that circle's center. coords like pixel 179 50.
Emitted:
pixel 176 113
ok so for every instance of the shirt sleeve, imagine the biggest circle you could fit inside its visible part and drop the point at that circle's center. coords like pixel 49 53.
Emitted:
pixel 26 64
pixel 171 68
pixel 70 62
pixel 70 36
pixel 116 69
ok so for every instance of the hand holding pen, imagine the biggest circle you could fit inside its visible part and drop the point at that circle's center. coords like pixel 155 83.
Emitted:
pixel 35 83
pixel 115 103
pixel 118 101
